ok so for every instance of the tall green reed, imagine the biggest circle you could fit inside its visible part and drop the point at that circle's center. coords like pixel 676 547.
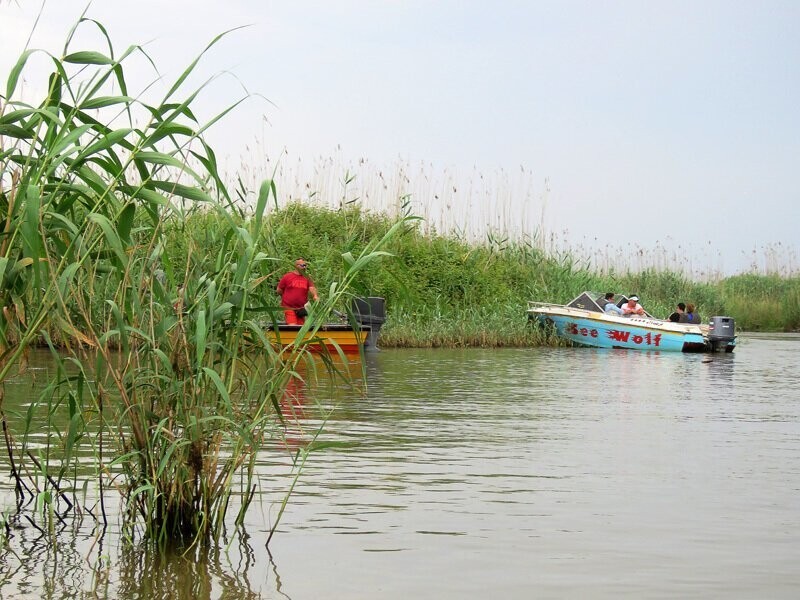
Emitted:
pixel 177 386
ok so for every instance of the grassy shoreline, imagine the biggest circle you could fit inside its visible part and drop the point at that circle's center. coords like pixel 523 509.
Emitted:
pixel 443 291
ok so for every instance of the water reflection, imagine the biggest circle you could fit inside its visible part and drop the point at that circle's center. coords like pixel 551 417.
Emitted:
pixel 72 564
pixel 145 573
pixel 313 392
pixel 294 412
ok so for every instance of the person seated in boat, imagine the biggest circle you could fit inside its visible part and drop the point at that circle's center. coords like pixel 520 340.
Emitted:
pixel 680 311
pixel 691 316
pixel 632 307
pixel 609 306
pixel 601 301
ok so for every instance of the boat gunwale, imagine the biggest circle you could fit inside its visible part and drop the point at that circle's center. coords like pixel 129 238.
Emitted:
pixel 323 327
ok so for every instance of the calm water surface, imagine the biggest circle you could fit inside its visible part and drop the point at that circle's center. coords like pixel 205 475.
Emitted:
pixel 525 473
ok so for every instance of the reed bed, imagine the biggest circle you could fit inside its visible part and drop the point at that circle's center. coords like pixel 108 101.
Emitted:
pixel 476 205
pixel 124 252
pixel 446 291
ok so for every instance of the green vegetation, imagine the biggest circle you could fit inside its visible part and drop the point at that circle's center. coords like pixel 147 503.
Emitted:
pixel 762 302
pixel 123 251
pixel 443 291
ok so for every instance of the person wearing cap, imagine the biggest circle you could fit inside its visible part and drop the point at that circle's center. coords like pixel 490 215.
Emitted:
pixel 632 307
pixel 294 289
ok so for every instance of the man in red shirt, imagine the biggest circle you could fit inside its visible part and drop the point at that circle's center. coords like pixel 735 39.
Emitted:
pixel 294 288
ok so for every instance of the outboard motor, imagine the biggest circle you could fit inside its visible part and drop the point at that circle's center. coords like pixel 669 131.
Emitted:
pixel 722 334
pixel 370 312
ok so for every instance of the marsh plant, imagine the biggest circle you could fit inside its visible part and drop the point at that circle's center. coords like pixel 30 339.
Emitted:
pixel 166 378
pixel 513 204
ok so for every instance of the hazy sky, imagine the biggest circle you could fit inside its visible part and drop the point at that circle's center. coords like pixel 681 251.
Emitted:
pixel 672 121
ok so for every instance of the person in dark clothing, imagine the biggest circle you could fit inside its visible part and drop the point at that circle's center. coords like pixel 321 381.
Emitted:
pixel 691 316
pixel 680 311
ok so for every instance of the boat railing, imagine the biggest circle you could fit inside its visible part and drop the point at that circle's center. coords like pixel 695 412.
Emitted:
pixel 532 305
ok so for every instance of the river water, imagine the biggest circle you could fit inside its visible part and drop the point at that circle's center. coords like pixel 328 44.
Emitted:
pixel 520 473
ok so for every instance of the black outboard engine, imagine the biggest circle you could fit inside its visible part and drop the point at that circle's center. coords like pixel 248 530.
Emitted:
pixel 722 334
pixel 370 312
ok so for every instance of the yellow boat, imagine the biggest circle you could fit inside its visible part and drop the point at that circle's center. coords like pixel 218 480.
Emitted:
pixel 333 334
pixel 369 314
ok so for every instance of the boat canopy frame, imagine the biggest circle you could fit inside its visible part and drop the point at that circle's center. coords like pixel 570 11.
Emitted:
pixel 589 300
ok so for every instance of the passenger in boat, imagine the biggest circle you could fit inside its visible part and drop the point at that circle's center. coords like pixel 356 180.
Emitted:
pixel 691 316
pixel 294 288
pixel 601 301
pixel 609 306
pixel 632 307
pixel 680 312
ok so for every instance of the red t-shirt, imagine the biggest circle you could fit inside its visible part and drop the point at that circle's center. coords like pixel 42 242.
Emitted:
pixel 293 289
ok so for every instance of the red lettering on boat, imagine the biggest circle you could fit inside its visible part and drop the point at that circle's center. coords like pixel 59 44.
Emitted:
pixel 653 340
pixel 618 336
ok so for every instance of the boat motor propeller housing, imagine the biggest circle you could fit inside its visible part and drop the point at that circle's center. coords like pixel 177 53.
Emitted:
pixel 371 312
pixel 721 333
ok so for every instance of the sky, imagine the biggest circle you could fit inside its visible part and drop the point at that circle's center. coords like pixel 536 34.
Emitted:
pixel 637 125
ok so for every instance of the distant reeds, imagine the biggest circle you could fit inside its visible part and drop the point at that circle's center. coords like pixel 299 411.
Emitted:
pixel 475 205
pixel 445 291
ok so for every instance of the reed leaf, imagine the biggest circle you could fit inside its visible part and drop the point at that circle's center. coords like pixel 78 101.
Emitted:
pixel 143 192
pixel 125 223
pixel 219 385
pixel 16 132
pixel 159 158
pixel 70 139
pixel 104 101
pixel 183 191
pixel 32 246
pixel 13 116
pixel 16 71
pixel 66 278
pixel 106 142
pixel 200 337
pixel 88 57
pixel 182 77
pixel 111 236
pixel 167 129
pixel 267 188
